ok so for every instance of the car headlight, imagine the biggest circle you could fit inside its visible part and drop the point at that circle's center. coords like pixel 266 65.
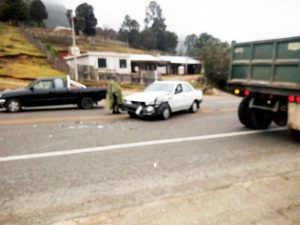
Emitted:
pixel 158 101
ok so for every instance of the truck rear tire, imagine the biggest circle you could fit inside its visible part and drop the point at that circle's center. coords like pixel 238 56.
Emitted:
pixel 296 134
pixel 280 118
pixel 261 119
pixel 253 118
pixel 244 113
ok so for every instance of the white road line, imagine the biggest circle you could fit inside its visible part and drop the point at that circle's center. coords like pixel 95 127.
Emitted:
pixel 133 145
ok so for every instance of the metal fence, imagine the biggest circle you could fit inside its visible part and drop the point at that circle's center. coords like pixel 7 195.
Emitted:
pixel 89 73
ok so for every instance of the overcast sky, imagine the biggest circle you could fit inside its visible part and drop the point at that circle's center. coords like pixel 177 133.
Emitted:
pixel 240 20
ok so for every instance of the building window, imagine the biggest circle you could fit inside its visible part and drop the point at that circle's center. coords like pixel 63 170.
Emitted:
pixel 102 63
pixel 123 63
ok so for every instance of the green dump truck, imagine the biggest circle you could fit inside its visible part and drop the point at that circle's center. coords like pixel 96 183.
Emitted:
pixel 267 75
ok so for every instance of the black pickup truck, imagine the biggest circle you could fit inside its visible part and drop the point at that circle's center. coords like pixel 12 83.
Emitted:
pixel 51 91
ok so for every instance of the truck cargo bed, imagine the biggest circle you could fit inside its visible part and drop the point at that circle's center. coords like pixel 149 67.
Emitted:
pixel 271 66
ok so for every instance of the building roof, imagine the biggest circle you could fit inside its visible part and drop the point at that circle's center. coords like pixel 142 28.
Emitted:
pixel 144 58
pixel 179 59
pixel 99 54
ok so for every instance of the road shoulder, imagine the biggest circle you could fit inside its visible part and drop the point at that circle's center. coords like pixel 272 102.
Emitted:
pixel 272 200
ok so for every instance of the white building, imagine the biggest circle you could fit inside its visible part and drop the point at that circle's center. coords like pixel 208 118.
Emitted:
pixel 105 62
pixel 181 65
pixel 123 63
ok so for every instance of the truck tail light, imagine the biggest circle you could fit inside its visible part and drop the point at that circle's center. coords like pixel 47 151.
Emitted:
pixel 237 91
pixel 291 98
pixel 294 99
pixel 246 92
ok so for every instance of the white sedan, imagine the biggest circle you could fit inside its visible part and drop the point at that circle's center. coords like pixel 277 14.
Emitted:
pixel 161 98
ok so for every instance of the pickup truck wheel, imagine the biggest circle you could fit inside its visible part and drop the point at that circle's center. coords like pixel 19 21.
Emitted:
pixel 166 112
pixel 13 105
pixel 86 103
pixel 244 113
pixel 194 107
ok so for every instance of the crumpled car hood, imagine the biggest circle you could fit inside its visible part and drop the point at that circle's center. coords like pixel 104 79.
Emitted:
pixel 146 96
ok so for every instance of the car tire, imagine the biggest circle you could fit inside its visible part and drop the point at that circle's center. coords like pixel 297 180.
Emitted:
pixel 13 105
pixel 194 107
pixel 166 112
pixel 86 103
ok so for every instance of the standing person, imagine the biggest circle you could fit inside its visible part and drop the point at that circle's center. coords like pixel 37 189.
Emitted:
pixel 114 96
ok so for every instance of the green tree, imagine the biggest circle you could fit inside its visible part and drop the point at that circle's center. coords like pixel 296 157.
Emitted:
pixel 154 17
pixel 149 39
pixel 155 21
pixel 215 56
pixel 171 40
pixel 38 11
pixel 129 31
pixel 189 43
pixel 85 19
pixel 15 11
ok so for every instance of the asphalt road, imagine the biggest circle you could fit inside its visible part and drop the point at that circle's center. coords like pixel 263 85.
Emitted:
pixel 62 163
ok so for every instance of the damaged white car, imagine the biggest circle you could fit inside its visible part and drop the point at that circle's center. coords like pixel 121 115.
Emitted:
pixel 162 98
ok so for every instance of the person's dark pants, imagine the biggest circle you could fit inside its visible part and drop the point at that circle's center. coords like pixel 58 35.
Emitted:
pixel 116 108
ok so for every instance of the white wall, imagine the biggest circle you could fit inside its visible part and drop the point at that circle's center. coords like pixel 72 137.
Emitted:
pixel 112 63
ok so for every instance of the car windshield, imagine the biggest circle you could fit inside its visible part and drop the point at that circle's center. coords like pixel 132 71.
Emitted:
pixel 159 87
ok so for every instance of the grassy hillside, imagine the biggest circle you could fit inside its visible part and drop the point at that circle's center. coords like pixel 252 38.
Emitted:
pixel 20 62
pixel 62 42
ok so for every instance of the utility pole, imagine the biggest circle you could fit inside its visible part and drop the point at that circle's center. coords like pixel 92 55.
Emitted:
pixel 74 51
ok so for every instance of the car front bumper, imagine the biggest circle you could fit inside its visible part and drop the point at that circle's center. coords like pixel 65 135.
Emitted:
pixel 2 103
pixel 142 110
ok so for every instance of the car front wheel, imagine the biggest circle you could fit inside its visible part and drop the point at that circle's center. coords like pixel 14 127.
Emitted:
pixel 166 112
pixel 13 105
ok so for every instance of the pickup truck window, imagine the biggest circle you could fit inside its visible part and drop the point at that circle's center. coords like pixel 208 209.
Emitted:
pixel 59 83
pixel 44 85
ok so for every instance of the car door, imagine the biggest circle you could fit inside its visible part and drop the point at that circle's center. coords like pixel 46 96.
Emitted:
pixel 40 93
pixel 60 94
pixel 177 100
pixel 188 95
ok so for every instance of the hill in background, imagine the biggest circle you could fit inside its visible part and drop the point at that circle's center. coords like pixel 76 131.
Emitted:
pixel 20 62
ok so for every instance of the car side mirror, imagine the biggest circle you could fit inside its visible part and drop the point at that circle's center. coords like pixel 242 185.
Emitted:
pixel 31 88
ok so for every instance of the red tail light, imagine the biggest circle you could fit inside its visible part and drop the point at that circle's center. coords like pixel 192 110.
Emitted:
pixel 298 99
pixel 291 98
pixel 247 93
